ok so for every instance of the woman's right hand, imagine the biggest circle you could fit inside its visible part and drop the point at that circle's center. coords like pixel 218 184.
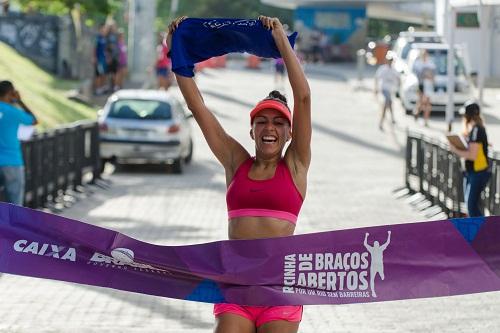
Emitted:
pixel 171 28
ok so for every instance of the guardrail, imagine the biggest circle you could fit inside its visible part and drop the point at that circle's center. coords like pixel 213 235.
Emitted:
pixel 60 160
pixel 433 170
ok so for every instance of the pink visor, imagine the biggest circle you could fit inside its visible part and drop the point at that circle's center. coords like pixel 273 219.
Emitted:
pixel 271 104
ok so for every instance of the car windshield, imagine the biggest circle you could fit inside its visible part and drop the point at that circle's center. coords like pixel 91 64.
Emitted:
pixel 406 44
pixel 440 59
pixel 140 109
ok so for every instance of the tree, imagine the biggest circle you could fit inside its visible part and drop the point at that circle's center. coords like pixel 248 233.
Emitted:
pixel 93 9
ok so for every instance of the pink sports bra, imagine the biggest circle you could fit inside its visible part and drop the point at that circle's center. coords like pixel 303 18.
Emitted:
pixel 277 197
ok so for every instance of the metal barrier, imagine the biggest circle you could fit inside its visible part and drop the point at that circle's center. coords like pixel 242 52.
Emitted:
pixel 434 171
pixel 60 160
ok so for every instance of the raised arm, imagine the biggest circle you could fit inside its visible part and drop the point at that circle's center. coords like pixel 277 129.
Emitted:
pixel 25 107
pixel 365 243
pixel 225 148
pixel 388 240
pixel 300 146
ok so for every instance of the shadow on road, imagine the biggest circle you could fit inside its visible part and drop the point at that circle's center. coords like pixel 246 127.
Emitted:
pixel 358 141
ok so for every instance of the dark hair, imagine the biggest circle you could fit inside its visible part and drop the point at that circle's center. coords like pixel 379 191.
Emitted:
pixel 276 95
pixel 5 88
pixel 473 113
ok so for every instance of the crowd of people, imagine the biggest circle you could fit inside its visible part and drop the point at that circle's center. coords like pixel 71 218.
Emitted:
pixel 110 59
pixel 475 154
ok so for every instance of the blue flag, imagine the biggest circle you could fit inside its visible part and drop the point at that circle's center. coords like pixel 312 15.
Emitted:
pixel 198 39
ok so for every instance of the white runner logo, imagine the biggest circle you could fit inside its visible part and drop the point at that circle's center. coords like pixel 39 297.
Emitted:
pixel 377 259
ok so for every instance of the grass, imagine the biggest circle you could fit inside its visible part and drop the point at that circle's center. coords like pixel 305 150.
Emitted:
pixel 44 93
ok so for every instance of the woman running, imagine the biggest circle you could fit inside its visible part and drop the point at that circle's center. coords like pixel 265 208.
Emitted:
pixel 264 192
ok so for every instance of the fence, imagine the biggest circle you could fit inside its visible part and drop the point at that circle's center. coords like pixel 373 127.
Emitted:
pixel 59 161
pixel 434 171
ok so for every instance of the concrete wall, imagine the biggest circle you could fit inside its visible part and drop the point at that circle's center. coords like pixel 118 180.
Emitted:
pixel 471 37
pixel 33 36
pixel 50 42
pixel 495 43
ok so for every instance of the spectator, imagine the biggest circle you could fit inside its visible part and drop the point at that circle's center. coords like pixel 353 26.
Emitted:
pixel 279 74
pixel 324 45
pixel 4 7
pixel 424 68
pixel 163 65
pixel 386 81
pixel 122 60
pixel 112 56
pixel 11 158
pixel 99 60
pixel 477 171
pixel 315 45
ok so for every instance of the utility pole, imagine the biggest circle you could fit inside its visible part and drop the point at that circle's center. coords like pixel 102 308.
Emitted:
pixel 141 38
pixel 484 18
pixel 174 6
pixel 450 87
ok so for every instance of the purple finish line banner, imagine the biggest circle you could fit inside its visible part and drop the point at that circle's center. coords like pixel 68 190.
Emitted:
pixel 393 262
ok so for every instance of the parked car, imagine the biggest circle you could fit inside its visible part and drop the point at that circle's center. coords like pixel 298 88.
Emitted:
pixel 402 46
pixel 145 126
pixel 438 53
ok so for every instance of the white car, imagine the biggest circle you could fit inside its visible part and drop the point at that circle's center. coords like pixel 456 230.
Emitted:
pixel 438 54
pixel 145 126
pixel 402 46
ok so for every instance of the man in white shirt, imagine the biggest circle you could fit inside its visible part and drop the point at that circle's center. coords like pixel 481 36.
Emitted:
pixel 386 82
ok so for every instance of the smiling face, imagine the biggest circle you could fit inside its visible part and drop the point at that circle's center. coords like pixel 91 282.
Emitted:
pixel 270 131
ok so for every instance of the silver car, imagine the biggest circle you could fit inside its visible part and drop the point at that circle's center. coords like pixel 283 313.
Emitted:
pixel 145 126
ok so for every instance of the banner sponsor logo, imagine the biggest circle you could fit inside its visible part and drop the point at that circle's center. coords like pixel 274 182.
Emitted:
pixel 44 249
pixel 123 258
pixel 336 274
pixel 218 24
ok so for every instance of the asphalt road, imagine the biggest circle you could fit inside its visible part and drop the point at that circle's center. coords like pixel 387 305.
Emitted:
pixel 355 169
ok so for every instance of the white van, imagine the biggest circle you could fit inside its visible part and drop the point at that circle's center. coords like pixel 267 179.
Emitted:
pixel 438 54
pixel 402 46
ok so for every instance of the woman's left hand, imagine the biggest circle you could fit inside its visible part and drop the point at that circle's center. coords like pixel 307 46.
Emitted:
pixel 272 23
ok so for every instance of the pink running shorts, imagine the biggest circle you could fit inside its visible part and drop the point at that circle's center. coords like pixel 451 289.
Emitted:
pixel 261 314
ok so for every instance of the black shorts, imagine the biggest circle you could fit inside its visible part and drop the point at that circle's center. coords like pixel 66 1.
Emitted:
pixel 101 68
pixel 113 66
pixel 421 88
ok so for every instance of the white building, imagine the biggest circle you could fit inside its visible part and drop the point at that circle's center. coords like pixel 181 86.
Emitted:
pixel 476 24
pixel 345 22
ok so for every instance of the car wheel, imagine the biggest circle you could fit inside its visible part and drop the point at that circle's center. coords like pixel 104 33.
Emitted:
pixel 178 165
pixel 189 156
